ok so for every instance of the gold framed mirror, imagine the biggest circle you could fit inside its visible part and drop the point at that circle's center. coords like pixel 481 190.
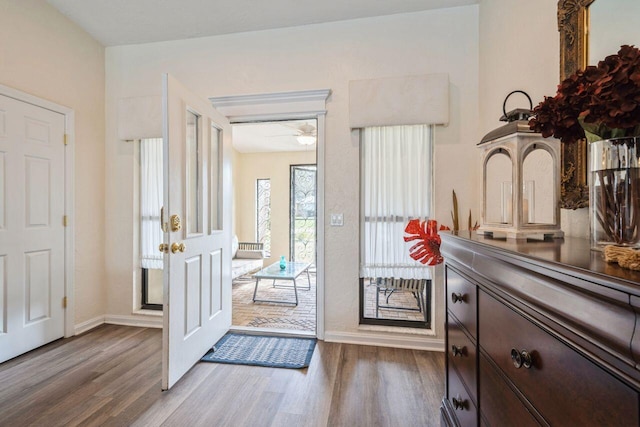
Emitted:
pixel 573 20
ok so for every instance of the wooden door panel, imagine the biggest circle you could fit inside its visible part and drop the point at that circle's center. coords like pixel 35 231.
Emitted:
pixel 193 286
pixel 38 192
pixel 215 284
pixel 3 199
pixel 3 292
pixel 37 286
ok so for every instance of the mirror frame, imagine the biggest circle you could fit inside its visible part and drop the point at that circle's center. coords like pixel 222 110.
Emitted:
pixel 573 21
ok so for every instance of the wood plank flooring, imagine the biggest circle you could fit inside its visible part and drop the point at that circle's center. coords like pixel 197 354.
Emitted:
pixel 111 376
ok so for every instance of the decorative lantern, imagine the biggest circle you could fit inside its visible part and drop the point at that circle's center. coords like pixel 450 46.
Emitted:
pixel 521 179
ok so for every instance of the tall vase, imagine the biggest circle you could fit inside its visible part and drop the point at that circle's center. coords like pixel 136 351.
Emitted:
pixel 614 192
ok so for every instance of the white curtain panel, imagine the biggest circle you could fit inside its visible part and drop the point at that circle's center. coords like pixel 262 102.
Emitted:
pixel 150 202
pixel 396 186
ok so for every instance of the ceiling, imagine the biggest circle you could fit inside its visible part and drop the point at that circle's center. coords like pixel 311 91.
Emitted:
pixel 271 136
pixel 122 22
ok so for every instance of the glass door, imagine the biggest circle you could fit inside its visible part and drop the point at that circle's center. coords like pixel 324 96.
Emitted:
pixel 302 223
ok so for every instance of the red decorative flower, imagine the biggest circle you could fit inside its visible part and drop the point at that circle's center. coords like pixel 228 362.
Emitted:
pixel 427 249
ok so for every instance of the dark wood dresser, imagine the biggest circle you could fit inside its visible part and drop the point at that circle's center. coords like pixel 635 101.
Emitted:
pixel 539 333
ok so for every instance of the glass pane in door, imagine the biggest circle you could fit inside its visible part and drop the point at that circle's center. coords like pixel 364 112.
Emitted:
pixel 193 174
pixel 303 213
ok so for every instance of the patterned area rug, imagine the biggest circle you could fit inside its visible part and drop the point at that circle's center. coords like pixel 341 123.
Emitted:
pixel 259 350
pixel 283 323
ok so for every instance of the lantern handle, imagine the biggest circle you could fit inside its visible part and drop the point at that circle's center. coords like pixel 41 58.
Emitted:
pixel 504 104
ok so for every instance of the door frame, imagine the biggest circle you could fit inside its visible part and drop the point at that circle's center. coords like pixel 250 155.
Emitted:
pixel 69 235
pixel 308 104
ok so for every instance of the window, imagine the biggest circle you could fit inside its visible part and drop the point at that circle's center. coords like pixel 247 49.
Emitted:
pixel 396 186
pixel 151 260
pixel 263 213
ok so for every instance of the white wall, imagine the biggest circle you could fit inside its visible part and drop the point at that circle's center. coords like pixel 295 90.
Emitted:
pixel 275 166
pixel 302 58
pixel 46 55
pixel 519 49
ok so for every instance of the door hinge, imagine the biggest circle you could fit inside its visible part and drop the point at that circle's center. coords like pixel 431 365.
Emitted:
pixel 64 302
pixel 65 220
pixel 66 139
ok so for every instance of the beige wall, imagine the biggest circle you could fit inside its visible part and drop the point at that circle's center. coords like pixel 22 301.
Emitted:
pixel 325 56
pixel 519 49
pixel 275 166
pixel 44 54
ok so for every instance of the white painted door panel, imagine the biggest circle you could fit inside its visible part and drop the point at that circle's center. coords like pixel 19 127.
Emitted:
pixel 197 189
pixel 31 226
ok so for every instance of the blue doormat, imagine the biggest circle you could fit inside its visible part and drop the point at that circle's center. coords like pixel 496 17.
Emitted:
pixel 261 350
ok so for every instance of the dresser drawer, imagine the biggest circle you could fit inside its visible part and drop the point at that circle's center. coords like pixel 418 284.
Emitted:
pixel 464 408
pixel 462 300
pixel 500 406
pixel 564 386
pixel 462 354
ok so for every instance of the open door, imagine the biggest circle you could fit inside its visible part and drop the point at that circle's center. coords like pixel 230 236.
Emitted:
pixel 196 220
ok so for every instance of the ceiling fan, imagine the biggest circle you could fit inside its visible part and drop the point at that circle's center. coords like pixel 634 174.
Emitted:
pixel 305 133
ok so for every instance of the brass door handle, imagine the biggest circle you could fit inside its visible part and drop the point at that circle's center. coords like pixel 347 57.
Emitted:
pixel 177 247
pixel 176 223
pixel 164 247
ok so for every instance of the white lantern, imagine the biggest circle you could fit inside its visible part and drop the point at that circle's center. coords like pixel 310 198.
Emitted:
pixel 521 180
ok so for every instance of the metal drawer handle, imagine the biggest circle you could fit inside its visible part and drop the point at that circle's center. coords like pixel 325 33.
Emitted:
pixel 521 358
pixel 458 351
pixel 459 403
pixel 458 297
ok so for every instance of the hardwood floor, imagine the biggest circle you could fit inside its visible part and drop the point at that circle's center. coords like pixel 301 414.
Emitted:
pixel 111 376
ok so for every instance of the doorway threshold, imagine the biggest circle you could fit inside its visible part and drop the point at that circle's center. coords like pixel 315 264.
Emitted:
pixel 272 331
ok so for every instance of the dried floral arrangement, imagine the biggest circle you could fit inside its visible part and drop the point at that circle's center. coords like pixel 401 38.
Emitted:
pixel 597 103
pixel 600 102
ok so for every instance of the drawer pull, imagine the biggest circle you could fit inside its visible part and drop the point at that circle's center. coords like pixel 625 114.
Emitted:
pixel 458 351
pixel 457 298
pixel 458 403
pixel 521 358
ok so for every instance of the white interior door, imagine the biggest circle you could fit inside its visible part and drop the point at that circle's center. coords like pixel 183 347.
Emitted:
pixel 197 218
pixel 31 226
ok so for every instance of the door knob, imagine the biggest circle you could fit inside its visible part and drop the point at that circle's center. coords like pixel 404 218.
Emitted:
pixel 177 247
pixel 164 247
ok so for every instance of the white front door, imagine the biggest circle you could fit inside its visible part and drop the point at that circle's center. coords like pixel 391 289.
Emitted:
pixel 197 218
pixel 31 226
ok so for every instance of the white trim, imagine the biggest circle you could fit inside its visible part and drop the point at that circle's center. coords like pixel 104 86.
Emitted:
pixel 248 330
pixel 138 320
pixel 286 106
pixel 69 192
pixel 272 106
pixel 416 342
pixel 88 325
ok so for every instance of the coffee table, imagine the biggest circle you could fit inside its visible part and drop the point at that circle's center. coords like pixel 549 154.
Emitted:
pixel 291 272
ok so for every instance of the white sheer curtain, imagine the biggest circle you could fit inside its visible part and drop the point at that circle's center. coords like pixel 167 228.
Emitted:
pixel 150 202
pixel 396 186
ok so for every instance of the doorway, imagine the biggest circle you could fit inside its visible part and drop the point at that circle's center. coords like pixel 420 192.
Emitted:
pixel 34 209
pixel 275 170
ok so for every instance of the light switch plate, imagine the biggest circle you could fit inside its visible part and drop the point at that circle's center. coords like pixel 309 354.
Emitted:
pixel 337 220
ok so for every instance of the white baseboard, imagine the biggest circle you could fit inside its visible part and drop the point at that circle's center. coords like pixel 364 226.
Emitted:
pixel 418 342
pixel 88 325
pixel 140 321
